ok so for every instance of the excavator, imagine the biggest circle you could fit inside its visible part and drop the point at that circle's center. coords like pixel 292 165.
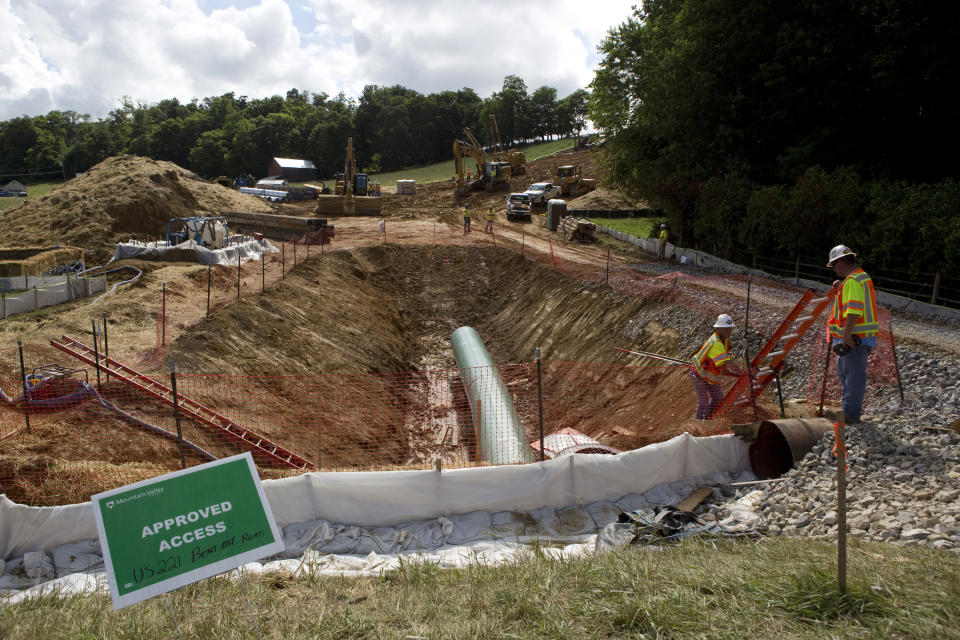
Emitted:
pixel 516 158
pixel 350 194
pixel 490 175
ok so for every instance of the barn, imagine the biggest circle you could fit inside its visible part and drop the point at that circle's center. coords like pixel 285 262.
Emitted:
pixel 292 170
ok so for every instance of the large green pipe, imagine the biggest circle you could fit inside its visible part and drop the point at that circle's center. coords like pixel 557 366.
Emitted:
pixel 500 438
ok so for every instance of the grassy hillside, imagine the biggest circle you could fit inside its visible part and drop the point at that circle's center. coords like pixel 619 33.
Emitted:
pixel 33 191
pixel 445 170
pixel 714 588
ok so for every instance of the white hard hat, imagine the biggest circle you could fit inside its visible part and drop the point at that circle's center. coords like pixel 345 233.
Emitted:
pixel 663 226
pixel 838 252
pixel 723 321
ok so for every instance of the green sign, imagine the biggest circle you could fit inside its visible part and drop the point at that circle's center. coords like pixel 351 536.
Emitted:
pixel 167 532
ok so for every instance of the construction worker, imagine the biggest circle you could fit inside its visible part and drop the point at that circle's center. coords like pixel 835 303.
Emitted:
pixel 662 244
pixel 709 364
pixel 491 216
pixel 853 328
pixel 466 218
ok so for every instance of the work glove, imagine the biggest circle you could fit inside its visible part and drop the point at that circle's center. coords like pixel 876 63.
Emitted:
pixel 842 349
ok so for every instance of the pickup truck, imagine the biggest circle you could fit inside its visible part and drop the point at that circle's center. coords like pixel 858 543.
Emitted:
pixel 540 192
pixel 518 206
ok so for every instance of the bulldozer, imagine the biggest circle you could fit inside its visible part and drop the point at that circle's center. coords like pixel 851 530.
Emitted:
pixel 350 193
pixel 516 158
pixel 490 175
pixel 571 180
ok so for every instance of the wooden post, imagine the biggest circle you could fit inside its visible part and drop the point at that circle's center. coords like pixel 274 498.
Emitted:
pixel 536 354
pixel 796 271
pixel 36 298
pixel 936 287
pixel 841 507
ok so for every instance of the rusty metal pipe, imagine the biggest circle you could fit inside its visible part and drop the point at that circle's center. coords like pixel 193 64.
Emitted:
pixel 781 443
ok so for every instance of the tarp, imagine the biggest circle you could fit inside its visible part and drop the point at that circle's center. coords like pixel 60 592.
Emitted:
pixel 359 523
pixel 247 251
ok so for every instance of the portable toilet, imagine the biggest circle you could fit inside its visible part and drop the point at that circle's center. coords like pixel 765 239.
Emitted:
pixel 556 209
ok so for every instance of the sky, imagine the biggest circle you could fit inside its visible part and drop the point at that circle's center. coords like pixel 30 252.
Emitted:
pixel 88 55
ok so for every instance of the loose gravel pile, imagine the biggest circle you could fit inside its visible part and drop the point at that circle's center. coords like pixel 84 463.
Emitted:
pixel 904 470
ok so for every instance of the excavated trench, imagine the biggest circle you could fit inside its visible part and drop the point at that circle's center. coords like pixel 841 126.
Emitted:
pixel 348 363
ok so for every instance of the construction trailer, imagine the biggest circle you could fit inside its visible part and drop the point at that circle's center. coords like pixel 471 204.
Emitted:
pixel 350 193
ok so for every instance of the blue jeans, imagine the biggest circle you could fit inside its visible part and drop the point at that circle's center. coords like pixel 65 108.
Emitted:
pixel 852 372
pixel 709 396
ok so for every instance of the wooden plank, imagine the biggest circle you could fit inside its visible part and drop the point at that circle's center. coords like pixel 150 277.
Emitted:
pixel 693 500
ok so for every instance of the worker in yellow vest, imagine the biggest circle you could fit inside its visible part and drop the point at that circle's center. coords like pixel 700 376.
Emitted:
pixel 709 364
pixel 662 241
pixel 466 218
pixel 853 328
pixel 491 216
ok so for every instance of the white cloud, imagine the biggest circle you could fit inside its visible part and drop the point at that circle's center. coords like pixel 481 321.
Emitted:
pixel 85 56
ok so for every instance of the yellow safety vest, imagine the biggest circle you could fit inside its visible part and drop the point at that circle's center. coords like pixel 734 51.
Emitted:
pixel 491 215
pixel 709 360
pixel 663 234
pixel 858 298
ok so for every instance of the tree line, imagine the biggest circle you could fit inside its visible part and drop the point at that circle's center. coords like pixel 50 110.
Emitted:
pixel 392 127
pixel 790 127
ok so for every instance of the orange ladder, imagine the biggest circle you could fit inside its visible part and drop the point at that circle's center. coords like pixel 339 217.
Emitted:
pixel 263 450
pixel 766 363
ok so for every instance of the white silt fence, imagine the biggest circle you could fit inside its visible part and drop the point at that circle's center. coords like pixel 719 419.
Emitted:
pixel 36 292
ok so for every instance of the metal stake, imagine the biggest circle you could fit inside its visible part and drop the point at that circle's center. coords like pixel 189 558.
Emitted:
pixel 263 272
pixel 536 355
pixel 106 346
pixel 208 289
pixel 163 313
pixel 96 354
pixel 176 412
pixel 783 413
pixel 238 274
pixel 23 378
pixel 283 260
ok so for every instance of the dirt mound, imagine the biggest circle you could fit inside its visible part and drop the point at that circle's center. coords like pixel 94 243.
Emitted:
pixel 122 197
pixel 602 200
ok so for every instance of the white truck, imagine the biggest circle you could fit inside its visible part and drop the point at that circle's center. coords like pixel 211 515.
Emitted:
pixel 518 206
pixel 540 192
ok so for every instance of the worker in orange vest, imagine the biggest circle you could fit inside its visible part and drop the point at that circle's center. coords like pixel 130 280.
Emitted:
pixel 853 328
pixel 709 364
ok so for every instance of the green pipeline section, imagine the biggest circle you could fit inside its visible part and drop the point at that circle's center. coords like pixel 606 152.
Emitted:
pixel 499 435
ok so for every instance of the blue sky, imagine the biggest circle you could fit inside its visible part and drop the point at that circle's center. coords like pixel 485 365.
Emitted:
pixel 88 55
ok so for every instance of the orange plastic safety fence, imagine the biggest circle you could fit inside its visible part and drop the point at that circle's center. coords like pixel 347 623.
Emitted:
pixel 74 435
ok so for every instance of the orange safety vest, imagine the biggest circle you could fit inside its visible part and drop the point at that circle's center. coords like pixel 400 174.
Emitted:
pixel 709 360
pixel 857 297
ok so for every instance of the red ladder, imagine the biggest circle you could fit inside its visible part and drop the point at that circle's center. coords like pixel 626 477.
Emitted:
pixel 766 363
pixel 263 450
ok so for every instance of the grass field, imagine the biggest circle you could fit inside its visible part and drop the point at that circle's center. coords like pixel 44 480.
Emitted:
pixel 781 588
pixel 34 190
pixel 445 170
pixel 638 227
